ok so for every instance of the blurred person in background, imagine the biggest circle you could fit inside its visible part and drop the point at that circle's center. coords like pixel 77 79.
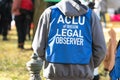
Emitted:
pixel 103 11
pixel 5 17
pixel 23 12
pixel 30 24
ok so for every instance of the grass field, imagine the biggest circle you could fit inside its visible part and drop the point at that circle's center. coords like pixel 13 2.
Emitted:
pixel 13 60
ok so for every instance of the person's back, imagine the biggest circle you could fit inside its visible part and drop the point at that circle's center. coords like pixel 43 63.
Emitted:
pixel 22 11
pixel 27 5
pixel 27 8
pixel 70 41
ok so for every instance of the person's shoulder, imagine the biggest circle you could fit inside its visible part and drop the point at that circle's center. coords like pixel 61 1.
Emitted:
pixel 47 11
pixel 50 8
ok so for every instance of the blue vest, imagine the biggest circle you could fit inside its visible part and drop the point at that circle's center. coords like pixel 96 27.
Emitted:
pixel 69 38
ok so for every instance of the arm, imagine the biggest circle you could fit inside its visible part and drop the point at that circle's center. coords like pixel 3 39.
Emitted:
pixel 99 45
pixel 16 7
pixel 40 38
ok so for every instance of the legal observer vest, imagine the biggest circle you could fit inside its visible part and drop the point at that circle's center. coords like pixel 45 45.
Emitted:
pixel 69 38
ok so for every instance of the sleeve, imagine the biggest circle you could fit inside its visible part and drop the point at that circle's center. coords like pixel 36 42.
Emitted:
pixel 99 44
pixel 41 34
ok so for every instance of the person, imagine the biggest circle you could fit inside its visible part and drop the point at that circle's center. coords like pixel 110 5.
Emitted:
pixel 103 11
pixel 69 40
pixel 22 9
pixel 5 18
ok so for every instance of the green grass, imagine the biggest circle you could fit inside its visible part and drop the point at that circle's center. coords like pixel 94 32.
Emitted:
pixel 13 60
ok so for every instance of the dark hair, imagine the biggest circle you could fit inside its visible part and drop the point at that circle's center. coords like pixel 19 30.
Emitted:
pixel 91 5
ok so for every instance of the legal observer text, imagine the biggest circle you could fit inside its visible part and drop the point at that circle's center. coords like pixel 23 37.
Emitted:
pixel 69 36
pixel 69 41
